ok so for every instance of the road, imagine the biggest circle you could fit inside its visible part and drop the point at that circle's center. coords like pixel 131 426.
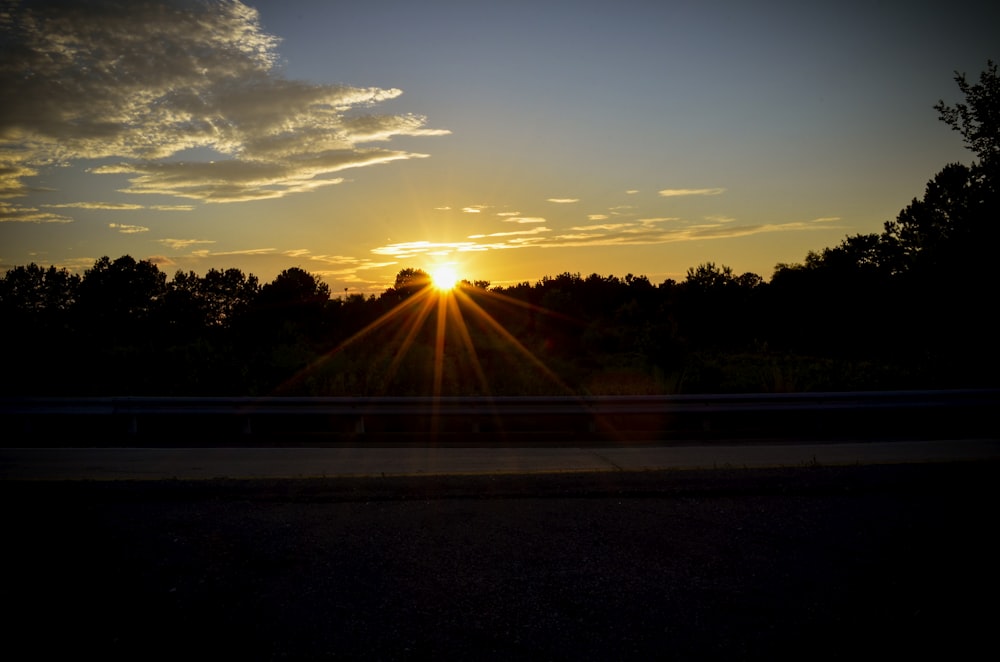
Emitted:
pixel 208 463
pixel 455 555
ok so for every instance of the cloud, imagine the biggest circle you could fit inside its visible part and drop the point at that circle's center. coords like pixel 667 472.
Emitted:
pixel 181 244
pixel 141 82
pixel 11 213
pixel 524 219
pixel 510 234
pixel 675 192
pixel 245 251
pixel 127 229
pixel 622 210
pixel 343 267
pixel 647 231
pixel 605 226
pixel 105 206
pixel 563 201
pixel 117 206
pixel 411 248
pixel 12 172
pixel 161 261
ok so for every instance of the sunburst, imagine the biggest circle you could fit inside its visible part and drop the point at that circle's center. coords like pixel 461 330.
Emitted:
pixel 444 277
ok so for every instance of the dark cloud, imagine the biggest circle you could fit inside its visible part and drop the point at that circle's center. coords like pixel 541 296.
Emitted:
pixel 143 81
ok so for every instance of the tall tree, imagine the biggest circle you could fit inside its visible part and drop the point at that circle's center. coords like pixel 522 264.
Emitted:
pixel 116 297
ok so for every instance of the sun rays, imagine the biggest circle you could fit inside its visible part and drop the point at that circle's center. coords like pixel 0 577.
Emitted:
pixel 442 337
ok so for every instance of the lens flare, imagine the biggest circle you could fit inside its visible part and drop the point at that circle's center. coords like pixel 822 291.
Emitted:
pixel 444 278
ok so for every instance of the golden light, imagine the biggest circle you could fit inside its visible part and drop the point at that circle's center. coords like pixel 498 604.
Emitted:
pixel 444 277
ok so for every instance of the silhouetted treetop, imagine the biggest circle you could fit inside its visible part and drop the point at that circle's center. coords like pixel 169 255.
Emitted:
pixel 978 119
pixel 293 287
pixel 123 289
pixel 409 281
pixel 32 289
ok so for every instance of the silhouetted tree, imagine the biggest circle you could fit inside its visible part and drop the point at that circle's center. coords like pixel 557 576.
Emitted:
pixel 715 307
pixel 120 297
pixel 956 223
pixel 409 281
pixel 978 119
pixel 38 291
pixel 38 337
pixel 120 331
pixel 292 304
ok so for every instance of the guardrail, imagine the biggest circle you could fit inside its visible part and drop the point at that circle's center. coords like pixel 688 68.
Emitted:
pixel 200 420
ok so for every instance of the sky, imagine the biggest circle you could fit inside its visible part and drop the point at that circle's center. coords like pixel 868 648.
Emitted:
pixel 510 140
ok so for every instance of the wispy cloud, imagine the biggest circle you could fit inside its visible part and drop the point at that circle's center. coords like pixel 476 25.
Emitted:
pixel 78 264
pixel 524 219
pixel 563 201
pixel 345 268
pixel 245 251
pixel 162 261
pixel 604 226
pixel 117 206
pixel 140 82
pixel 647 231
pixel 127 229
pixel 512 233
pixel 181 244
pixel 622 210
pixel 11 213
pixel 408 249
pixel 675 192
pixel 104 206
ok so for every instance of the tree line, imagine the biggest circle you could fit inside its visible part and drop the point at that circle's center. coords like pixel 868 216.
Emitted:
pixel 909 307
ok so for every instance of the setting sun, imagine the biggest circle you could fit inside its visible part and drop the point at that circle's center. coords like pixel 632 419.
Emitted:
pixel 444 278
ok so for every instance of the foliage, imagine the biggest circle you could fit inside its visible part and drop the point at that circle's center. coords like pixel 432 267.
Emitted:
pixel 978 119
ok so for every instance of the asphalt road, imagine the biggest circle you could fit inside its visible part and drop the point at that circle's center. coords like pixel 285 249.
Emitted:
pixel 798 562
pixel 209 463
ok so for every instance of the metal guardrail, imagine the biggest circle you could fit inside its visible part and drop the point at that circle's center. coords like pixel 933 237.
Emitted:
pixel 967 411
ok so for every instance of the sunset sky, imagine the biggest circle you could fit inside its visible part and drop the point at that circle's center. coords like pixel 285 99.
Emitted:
pixel 512 139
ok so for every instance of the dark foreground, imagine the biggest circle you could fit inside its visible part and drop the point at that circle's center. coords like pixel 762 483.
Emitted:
pixel 807 563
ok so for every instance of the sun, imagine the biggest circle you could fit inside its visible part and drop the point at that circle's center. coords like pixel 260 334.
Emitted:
pixel 444 277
